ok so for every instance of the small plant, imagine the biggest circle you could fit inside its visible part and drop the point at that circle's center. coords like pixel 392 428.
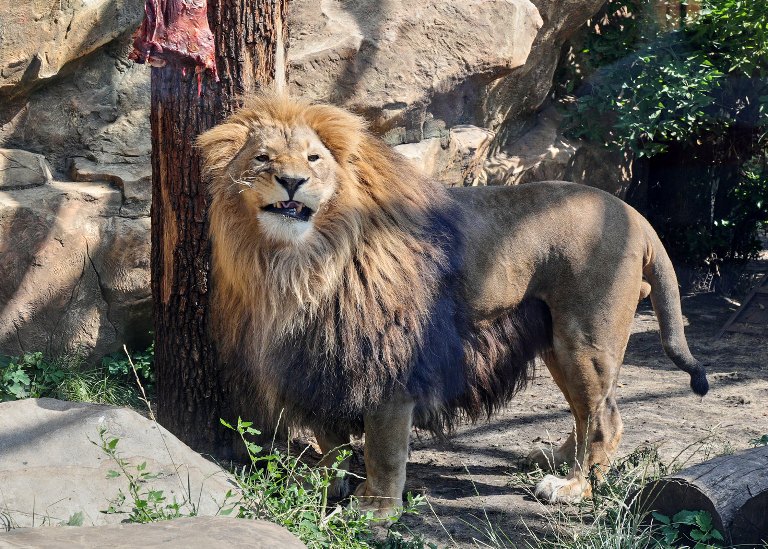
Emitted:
pixel 142 503
pixel 689 526
pixel 122 366
pixel 28 376
pixel 33 376
pixel 279 488
pixel 759 441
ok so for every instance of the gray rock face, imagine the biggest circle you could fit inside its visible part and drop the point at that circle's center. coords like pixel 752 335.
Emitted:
pixel 413 68
pixel 74 271
pixel 539 154
pixel 457 160
pixel 22 169
pixel 40 37
pixel 183 533
pixel 51 470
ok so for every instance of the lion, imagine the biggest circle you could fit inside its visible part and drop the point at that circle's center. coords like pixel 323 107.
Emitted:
pixel 360 296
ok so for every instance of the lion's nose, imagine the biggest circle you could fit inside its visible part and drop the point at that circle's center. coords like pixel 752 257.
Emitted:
pixel 291 184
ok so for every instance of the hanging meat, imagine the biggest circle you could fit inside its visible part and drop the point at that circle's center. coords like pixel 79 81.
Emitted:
pixel 175 33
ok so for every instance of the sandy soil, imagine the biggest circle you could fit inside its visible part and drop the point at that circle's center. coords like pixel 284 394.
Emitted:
pixel 466 479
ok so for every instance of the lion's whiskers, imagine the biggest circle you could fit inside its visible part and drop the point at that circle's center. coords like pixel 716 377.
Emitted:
pixel 242 182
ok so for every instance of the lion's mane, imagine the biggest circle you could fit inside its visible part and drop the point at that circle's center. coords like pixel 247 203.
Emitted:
pixel 371 304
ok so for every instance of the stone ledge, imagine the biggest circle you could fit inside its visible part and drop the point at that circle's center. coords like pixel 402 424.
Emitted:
pixel 182 533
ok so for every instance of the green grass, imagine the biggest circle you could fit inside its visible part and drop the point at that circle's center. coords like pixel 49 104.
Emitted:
pixel 33 375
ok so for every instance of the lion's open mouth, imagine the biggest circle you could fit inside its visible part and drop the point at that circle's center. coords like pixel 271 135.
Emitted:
pixel 291 209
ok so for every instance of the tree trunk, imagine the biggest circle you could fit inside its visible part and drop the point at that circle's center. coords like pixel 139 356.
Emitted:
pixel 733 489
pixel 249 37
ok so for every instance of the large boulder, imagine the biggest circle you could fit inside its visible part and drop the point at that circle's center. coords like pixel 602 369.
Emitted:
pixel 74 271
pixel 39 38
pixel 182 533
pixel 99 111
pixel 21 169
pixel 413 68
pixel 53 466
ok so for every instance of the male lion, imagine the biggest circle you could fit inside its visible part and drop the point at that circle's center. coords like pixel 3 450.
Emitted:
pixel 362 296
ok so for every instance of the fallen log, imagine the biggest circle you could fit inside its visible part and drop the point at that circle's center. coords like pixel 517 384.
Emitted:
pixel 733 489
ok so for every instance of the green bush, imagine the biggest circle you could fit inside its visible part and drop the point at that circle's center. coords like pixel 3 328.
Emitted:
pixel 695 102
pixel 32 375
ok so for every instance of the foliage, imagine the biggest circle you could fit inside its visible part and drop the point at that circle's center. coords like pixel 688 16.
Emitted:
pixel 695 526
pixel 145 504
pixel 28 376
pixel 122 366
pixel 695 100
pixel 700 80
pixel 33 376
pixel 279 488
pixel 759 441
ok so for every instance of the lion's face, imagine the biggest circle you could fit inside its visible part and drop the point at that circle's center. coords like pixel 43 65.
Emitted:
pixel 285 176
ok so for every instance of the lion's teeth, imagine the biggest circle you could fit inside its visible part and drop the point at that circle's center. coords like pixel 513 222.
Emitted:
pixel 279 205
pixel 299 206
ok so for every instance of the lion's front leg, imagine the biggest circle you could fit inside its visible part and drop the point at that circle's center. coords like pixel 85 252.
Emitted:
pixel 331 445
pixel 387 431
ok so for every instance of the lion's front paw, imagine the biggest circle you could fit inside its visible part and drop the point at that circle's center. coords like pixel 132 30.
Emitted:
pixel 552 489
pixel 382 507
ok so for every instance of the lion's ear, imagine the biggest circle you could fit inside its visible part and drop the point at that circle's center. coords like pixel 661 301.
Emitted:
pixel 219 145
pixel 340 131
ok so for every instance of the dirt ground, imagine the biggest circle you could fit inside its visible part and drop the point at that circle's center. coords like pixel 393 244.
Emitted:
pixel 466 479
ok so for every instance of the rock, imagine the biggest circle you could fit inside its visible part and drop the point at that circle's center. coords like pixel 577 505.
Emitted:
pixel 470 146
pixel 412 68
pixel 512 102
pixel 133 180
pixel 456 160
pixel 100 112
pixel 50 468
pixel 540 154
pixel 75 272
pixel 40 37
pixel 597 166
pixel 21 169
pixel 182 533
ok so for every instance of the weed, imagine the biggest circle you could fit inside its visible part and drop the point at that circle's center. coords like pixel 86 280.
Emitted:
pixel 280 488
pixel 689 526
pixel 759 441
pixel 33 376
pixel 142 503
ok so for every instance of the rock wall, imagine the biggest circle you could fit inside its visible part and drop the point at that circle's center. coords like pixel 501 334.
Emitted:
pixel 449 81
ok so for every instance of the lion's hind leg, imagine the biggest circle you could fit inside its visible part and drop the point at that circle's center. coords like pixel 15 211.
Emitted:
pixel 546 456
pixel 589 370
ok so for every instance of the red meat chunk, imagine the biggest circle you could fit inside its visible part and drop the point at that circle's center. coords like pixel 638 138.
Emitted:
pixel 175 32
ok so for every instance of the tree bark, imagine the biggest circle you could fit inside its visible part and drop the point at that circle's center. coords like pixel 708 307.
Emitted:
pixel 192 388
pixel 733 489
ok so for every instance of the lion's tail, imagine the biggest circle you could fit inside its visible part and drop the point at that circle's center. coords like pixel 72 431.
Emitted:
pixel 665 298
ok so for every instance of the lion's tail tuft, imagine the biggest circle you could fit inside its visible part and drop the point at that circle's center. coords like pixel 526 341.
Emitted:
pixel 665 296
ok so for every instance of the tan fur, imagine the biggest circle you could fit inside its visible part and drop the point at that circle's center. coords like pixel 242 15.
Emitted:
pixel 364 286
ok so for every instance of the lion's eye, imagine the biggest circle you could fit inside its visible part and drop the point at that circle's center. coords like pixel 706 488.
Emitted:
pixel 263 158
pixel 313 157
